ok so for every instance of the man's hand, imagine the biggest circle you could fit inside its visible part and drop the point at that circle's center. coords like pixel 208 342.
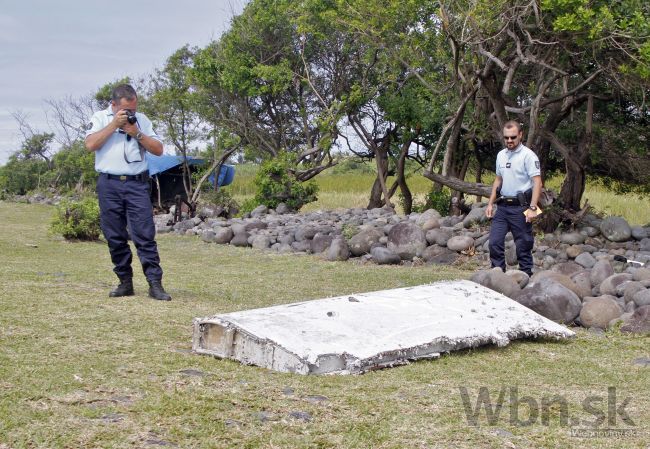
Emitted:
pixel 530 215
pixel 119 119
pixel 489 211
pixel 130 129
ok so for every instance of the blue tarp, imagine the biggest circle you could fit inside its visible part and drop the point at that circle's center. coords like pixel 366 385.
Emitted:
pixel 160 164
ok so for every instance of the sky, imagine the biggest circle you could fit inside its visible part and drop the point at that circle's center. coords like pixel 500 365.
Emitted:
pixel 50 50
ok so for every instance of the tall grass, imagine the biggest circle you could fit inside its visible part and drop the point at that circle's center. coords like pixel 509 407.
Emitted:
pixel 352 189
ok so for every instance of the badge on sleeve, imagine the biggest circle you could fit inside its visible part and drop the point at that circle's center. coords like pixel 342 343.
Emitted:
pixel 536 164
pixel 508 164
pixel 89 126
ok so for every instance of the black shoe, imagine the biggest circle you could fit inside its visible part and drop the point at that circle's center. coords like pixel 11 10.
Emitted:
pixel 124 289
pixel 156 291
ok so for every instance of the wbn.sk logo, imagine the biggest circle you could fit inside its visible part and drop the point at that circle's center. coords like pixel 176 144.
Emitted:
pixel 526 410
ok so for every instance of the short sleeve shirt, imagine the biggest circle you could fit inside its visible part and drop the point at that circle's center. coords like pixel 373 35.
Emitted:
pixel 120 154
pixel 517 168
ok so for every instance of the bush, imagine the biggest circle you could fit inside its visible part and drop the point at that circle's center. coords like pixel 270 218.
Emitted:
pixel 77 220
pixel 275 184
pixel 221 198
pixel 439 201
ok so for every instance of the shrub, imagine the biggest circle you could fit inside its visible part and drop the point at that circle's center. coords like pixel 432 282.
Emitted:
pixel 439 201
pixel 77 220
pixel 221 198
pixel 276 184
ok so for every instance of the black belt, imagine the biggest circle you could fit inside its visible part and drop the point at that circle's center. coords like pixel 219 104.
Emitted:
pixel 141 177
pixel 509 201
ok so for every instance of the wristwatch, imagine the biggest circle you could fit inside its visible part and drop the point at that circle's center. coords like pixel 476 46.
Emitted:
pixel 139 136
pixel 529 207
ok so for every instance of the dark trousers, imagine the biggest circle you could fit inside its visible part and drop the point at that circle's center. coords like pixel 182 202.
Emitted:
pixel 511 218
pixel 123 203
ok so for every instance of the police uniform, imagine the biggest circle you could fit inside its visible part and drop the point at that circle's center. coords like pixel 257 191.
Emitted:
pixel 123 191
pixel 516 168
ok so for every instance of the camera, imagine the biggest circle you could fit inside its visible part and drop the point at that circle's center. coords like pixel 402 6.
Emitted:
pixel 130 116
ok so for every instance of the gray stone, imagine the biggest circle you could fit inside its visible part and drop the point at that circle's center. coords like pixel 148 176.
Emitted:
pixel 431 223
pixel 432 251
pixel 261 241
pixel 282 209
pixel 641 274
pixel 460 243
pixel 630 307
pixel 601 271
pixel 426 216
pixel 642 298
pixel 406 240
pixel 582 283
pixel 551 300
pixel 639 232
pixel 240 239
pixel 511 255
pixel 338 250
pixel 475 216
pixel 446 258
pixel 599 312
pixel 438 236
pixel 305 232
pixel 616 229
pixel 560 278
pixel 609 284
pixel 361 242
pixel 590 231
pixel 586 260
pixel 259 211
pixel 574 251
pixel 639 322
pixel 519 276
pixel 572 238
pixel 320 243
pixel 497 280
pixel 223 235
pixel 568 268
pixel 384 256
pixel 255 225
pixel 301 246
pixel 208 236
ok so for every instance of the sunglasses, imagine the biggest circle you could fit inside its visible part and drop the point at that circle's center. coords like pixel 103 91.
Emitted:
pixel 510 137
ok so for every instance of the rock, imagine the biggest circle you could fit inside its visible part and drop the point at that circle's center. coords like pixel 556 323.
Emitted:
pixel 282 209
pixel 616 229
pixel 438 236
pixel 460 243
pixel 223 235
pixel 320 243
pixel 240 239
pixel 568 268
pixel 590 231
pixel 406 240
pixel 338 250
pixel 574 251
pixel 255 225
pixel 641 274
pixel 361 242
pixel 642 298
pixel 261 241
pixel 551 300
pixel 305 232
pixel 630 289
pixel 639 233
pixel 431 223
pixel 586 260
pixel 561 279
pixel 608 286
pixel 302 246
pixel 259 211
pixel 497 280
pixel 432 251
pixel 475 216
pixel 445 258
pixel 426 216
pixel 582 283
pixel 208 236
pixel 384 256
pixel 572 238
pixel 639 322
pixel 599 312
pixel 519 276
pixel 600 271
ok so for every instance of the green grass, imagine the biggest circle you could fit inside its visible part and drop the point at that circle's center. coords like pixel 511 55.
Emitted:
pixel 352 189
pixel 80 370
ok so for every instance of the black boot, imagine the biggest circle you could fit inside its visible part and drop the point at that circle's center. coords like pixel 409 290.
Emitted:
pixel 156 291
pixel 124 289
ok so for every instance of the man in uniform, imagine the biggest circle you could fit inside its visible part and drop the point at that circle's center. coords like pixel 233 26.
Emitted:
pixel 119 136
pixel 516 190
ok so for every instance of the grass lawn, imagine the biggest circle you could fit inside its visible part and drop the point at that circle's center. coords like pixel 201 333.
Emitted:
pixel 80 370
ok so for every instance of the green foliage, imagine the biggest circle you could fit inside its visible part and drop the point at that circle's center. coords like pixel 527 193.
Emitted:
pixel 352 165
pixel 349 230
pixel 276 184
pixel 103 95
pixel 221 197
pixel 77 220
pixel 19 176
pixel 74 166
pixel 438 200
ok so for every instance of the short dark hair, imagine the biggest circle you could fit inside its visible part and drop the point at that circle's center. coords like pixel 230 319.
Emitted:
pixel 125 91
pixel 513 124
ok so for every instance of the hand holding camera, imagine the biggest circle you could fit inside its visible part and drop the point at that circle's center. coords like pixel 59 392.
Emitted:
pixel 127 122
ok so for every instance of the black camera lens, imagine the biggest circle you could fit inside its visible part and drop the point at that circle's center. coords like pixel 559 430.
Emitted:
pixel 130 117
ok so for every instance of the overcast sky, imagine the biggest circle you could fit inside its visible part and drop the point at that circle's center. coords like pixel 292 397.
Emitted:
pixel 52 49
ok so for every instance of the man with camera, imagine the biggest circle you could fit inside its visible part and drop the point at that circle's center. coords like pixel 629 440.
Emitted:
pixel 119 136
pixel 516 191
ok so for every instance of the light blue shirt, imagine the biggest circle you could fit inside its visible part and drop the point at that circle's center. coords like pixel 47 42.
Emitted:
pixel 517 168
pixel 120 155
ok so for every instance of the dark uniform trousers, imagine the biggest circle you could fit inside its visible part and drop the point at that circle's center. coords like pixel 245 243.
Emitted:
pixel 123 202
pixel 511 218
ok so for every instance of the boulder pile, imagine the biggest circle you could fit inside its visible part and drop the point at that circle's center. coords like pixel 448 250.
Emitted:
pixel 594 275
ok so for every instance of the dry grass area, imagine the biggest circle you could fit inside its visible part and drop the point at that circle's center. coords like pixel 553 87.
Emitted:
pixel 80 370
